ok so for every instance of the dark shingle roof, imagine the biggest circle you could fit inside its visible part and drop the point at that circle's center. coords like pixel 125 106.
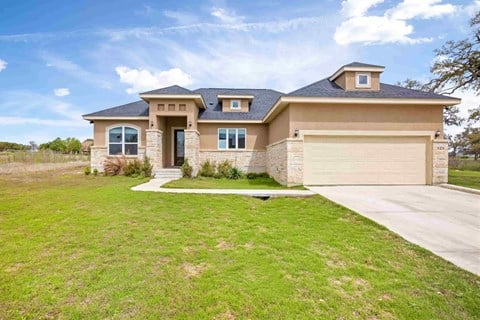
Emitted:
pixel 263 100
pixel 134 109
pixel 327 88
pixel 170 90
pixel 362 65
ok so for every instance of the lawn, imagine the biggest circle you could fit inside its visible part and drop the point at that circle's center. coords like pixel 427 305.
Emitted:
pixel 82 247
pixel 466 178
pixel 212 183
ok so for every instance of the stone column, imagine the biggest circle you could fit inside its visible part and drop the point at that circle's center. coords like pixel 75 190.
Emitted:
pixel 294 162
pixel 97 157
pixel 154 148
pixel 192 149
pixel 440 161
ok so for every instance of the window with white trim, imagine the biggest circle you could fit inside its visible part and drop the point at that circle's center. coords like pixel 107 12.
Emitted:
pixel 362 80
pixel 122 140
pixel 235 105
pixel 232 138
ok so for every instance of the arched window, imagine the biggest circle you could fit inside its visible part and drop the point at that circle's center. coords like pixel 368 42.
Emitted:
pixel 122 140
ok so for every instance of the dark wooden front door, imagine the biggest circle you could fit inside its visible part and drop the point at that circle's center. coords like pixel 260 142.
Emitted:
pixel 178 147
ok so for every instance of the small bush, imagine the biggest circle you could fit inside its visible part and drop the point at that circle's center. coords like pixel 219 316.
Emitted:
pixel 253 175
pixel 147 167
pixel 218 176
pixel 95 172
pixel 115 166
pixel 87 171
pixel 235 173
pixel 133 168
pixel 207 169
pixel 224 168
pixel 186 169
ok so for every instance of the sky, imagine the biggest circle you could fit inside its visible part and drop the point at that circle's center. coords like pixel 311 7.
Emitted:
pixel 62 59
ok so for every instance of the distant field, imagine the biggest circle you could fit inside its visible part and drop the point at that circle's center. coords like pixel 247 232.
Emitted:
pixel 464 164
pixel 43 156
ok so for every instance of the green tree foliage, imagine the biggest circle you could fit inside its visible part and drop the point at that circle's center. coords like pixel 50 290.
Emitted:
pixel 8 146
pixel 69 145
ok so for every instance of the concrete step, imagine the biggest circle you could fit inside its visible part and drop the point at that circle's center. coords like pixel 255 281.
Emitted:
pixel 168 173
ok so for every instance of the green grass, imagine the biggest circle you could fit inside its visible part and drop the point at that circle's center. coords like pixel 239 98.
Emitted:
pixel 77 247
pixel 469 179
pixel 212 183
pixel 41 156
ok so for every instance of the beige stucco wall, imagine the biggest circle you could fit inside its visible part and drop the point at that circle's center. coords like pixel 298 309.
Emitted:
pixel 279 127
pixel 355 117
pixel 100 129
pixel 190 112
pixel 257 135
pixel 243 105
pixel 347 81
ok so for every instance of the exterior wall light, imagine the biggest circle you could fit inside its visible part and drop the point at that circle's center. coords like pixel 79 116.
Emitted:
pixel 295 134
pixel 151 124
pixel 437 134
pixel 190 123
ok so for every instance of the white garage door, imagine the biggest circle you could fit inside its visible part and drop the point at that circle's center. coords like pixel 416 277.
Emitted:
pixel 336 160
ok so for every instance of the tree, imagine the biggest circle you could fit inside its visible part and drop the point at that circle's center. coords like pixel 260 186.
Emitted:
pixel 33 146
pixel 57 145
pixel 73 145
pixel 456 142
pixel 458 63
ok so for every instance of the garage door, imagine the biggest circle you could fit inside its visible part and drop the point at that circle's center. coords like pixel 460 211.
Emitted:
pixel 335 160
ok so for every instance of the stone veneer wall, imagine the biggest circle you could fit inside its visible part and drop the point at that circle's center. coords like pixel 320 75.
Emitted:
pixel 440 161
pixel 248 160
pixel 99 154
pixel 154 147
pixel 192 149
pixel 285 161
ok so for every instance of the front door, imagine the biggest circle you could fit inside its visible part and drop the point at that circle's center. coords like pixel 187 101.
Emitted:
pixel 178 147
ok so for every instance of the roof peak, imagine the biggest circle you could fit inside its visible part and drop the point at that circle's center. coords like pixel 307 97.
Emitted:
pixel 174 89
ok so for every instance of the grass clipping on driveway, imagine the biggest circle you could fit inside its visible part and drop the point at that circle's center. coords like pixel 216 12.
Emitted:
pixel 73 246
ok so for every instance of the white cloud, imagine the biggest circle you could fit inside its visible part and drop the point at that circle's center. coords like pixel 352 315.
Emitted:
pixel 75 70
pixel 375 29
pixel 226 16
pixel 61 92
pixel 3 64
pixel 357 8
pixel 392 27
pixel 183 18
pixel 143 80
pixel 425 9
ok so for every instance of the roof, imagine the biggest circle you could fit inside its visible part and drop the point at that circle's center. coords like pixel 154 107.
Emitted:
pixel 169 90
pixel 327 88
pixel 263 100
pixel 133 109
pixel 356 64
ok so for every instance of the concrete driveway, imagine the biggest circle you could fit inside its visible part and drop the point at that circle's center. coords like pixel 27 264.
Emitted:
pixel 446 222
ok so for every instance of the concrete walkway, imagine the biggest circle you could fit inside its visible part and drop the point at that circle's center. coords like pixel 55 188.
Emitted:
pixel 155 186
pixel 446 222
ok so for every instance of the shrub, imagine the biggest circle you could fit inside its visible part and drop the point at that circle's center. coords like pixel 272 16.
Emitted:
pixel 218 176
pixel 253 175
pixel 235 173
pixel 115 166
pixel 133 168
pixel 224 168
pixel 87 171
pixel 147 167
pixel 186 169
pixel 95 172
pixel 207 169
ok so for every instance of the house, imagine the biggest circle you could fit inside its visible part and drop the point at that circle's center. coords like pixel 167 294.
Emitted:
pixel 86 145
pixel 348 128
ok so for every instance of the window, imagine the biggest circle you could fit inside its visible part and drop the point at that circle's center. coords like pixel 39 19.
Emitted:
pixel 363 80
pixel 232 138
pixel 235 104
pixel 122 140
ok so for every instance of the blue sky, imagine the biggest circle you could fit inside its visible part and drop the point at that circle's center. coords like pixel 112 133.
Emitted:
pixel 62 59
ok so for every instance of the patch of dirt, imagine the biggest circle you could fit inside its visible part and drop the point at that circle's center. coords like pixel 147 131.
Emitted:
pixel 15 267
pixel 227 315
pixel 193 271
pixel 223 245
pixel 249 246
